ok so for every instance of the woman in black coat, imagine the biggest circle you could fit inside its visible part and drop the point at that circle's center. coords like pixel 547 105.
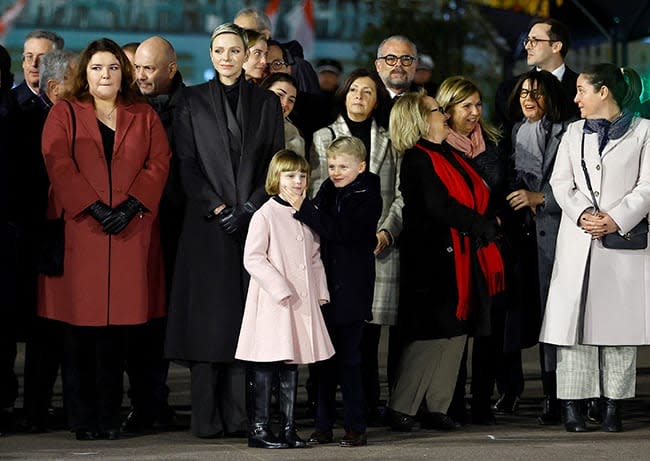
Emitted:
pixel 226 132
pixel 450 266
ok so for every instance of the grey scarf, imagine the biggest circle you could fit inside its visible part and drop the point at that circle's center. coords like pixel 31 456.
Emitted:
pixel 530 143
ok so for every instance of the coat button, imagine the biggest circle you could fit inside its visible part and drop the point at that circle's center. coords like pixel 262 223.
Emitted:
pixel 597 167
pixel 301 267
pixel 542 233
pixel 596 194
pixel 299 238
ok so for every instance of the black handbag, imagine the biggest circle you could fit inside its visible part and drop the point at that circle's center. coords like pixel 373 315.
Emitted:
pixel 635 239
pixel 51 249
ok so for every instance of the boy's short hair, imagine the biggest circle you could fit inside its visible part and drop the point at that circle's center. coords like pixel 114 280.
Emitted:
pixel 284 160
pixel 347 145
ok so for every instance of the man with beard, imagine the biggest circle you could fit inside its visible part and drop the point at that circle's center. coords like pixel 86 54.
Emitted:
pixel 396 65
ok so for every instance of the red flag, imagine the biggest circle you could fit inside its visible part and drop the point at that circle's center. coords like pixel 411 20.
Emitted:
pixel 272 11
pixel 9 16
pixel 302 26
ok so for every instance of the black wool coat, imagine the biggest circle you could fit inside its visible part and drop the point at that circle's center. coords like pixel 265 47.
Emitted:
pixel 346 221
pixel 428 290
pixel 210 283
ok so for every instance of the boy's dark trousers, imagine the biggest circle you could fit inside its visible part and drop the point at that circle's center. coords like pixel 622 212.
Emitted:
pixel 343 368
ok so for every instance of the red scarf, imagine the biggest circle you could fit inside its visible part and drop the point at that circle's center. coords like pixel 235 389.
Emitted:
pixel 476 198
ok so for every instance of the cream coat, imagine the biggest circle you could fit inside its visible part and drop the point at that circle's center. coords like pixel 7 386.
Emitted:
pixel 616 305
pixel 385 163
pixel 282 256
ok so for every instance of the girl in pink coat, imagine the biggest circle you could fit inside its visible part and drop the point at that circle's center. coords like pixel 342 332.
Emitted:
pixel 282 325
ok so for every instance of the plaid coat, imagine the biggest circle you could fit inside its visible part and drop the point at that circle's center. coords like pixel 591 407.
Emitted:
pixel 385 163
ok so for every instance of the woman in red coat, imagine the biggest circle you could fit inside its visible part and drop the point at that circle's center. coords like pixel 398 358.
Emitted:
pixel 108 195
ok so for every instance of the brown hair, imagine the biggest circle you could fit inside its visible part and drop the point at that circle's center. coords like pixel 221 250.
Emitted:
pixel 127 92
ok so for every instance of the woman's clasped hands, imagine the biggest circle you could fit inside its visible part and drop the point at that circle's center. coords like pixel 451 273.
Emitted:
pixel 597 224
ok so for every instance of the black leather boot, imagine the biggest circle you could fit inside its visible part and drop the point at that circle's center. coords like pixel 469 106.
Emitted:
pixel 611 414
pixel 594 411
pixel 259 385
pixel 574 421
pixel 550 411
pixel 288 392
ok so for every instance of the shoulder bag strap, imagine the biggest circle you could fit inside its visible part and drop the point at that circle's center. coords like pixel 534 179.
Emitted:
pixel 584 170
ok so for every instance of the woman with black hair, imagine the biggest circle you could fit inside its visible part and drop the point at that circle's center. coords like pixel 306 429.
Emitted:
pixel 598 300
pixel 539 103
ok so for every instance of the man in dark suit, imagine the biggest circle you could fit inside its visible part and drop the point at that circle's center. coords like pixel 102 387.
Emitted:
pixel 546 47
pixel 28 107
pixel 160 81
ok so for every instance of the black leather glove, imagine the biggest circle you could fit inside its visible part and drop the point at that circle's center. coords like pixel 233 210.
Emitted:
pixel 122 215
pixel 232 219
pixel 100 211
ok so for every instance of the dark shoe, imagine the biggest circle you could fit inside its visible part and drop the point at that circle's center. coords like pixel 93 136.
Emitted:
pixel 136 422
pixel 111 434
pixel 85 435
pixel 573 419
pixel 550 412
pixel 354 439
pixel 402 422
pixel 320 438
pixel 262 437
pixel 594 414
pixel 439 422
pixel 611 416
pixel 507 404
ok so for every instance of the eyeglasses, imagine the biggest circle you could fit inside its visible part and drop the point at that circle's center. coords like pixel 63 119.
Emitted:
pixel 533 41
pixel 277 64
pixel 391 59
pixel 535 94
pixel 30 58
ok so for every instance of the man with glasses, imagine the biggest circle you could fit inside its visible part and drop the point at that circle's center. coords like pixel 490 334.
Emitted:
pixel 27 110
pixel 546 45
pixel 396 66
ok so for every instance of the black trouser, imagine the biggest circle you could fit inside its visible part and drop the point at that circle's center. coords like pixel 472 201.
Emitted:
pixel 43 355
pixel 146 368
pixel 218 398
pixel 343 368
pixel 92 377
pixel 370 366
pixel 8 307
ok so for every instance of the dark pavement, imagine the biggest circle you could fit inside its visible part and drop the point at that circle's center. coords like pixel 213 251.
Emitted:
pixel 515 437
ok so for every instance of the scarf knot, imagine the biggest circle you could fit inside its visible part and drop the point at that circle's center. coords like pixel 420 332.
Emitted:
pixel 608 130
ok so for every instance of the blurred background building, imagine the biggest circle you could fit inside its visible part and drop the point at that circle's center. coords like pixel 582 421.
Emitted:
pixel 478 38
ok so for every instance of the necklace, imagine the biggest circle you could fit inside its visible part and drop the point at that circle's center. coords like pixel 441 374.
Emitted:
pixel 108 115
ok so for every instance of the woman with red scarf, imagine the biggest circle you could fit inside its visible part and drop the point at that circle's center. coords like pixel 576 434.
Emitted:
pixel 449 262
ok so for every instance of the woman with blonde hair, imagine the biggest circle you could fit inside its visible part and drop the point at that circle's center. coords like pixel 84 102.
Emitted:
pixel 478 141
pixel 258 50
pixel 446 221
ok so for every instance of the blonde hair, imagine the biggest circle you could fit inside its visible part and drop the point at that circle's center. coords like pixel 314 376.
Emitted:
pixel 229 28
pixel 347 145
pixel 454 90
pixel 408 120
pixel 284 160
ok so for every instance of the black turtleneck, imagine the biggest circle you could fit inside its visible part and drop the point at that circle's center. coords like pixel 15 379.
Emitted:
pixel 360 130
pixel 232 94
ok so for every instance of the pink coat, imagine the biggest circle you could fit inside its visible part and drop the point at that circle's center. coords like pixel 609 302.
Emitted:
pixel 282 256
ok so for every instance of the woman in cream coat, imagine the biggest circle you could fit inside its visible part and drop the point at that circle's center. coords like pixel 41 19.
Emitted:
pixel 359 96
pixel 598 307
